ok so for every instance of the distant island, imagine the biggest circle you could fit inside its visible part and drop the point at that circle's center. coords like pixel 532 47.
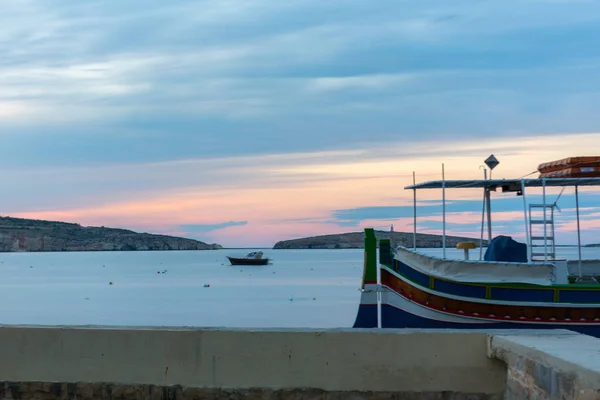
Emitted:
pixel 355 240
pixel 20 234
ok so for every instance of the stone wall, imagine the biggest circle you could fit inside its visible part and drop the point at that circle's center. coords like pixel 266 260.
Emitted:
pixel 560 366
pixel 96 391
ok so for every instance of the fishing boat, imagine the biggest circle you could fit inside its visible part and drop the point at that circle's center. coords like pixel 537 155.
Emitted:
pixel 254 258
pixel 514 285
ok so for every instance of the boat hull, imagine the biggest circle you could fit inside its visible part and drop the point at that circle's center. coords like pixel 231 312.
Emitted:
pixel 393 317
pixel 248 261
pixel 411 298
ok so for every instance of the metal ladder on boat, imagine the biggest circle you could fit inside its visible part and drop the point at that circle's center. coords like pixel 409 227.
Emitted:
pixel 541 232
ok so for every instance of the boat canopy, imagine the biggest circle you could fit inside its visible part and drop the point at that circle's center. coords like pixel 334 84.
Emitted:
pixel 478 271
pixel 507 185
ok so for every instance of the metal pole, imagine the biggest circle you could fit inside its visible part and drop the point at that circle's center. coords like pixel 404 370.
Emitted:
pixel 443 212
pixel 528 241
pixel 488 201
pixel 578 228
pixel 414 213
pixel 482 219
pixel 545 228
pixel 379 322
pixel 489 213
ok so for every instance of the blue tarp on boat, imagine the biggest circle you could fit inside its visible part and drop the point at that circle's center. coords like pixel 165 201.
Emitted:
pixel 504 248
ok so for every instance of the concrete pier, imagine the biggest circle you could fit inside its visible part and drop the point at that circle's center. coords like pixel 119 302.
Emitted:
pixel 560 365
pixel 48 363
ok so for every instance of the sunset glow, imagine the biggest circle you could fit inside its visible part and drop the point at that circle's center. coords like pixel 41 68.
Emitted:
pixel 286 198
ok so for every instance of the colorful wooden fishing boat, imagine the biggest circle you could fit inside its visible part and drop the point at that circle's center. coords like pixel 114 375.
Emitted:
pixel 516 286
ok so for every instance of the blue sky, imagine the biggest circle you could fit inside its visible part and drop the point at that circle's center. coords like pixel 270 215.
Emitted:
pixel 177 110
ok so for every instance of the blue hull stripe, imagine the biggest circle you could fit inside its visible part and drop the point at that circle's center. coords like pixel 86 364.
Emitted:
pixel 458 289
pixel 499 293
pixel 393 317
pixel 510 294
pixel 412 274
pixel 580 296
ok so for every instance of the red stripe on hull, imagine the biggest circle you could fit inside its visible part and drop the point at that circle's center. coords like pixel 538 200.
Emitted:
pixel 496 312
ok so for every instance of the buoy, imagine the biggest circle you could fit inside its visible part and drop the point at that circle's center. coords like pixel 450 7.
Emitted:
pixel 110 283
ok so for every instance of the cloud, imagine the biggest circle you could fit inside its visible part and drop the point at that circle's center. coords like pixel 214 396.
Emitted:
pixel 376 82
pixel 203 228
pixel 457 210
pixel 221 60
pixel 149 114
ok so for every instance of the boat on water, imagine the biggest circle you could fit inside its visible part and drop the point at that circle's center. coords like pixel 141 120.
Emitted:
pixel 513 286
pixel 254 258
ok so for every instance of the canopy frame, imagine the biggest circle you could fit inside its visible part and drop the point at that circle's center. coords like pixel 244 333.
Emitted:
pixel 506 185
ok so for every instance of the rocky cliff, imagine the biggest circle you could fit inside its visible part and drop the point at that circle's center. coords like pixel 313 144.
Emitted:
pixel 356 240
pixel 18 234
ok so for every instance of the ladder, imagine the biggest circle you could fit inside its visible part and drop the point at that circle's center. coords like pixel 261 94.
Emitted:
pixel 542 245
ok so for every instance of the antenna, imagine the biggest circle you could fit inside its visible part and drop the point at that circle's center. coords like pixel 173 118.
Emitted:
pixel 555 205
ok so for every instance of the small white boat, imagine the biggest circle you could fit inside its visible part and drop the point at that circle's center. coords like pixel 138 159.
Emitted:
pixel 254 258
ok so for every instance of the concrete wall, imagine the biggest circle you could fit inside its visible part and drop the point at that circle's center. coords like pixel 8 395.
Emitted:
pixel 47 363
pixel 547 366
pixel 403 361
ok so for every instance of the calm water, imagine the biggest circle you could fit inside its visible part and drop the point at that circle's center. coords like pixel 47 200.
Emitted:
pixel 303 288
pixel 73 288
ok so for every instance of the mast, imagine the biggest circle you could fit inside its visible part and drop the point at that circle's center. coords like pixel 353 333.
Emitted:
pixel 526 221
pixel 443 212
pixel 379 321
pixel 492 162
pixel 545 227
pixel 488 206
pixel 482 218
pixel 578 229
pixel 414 213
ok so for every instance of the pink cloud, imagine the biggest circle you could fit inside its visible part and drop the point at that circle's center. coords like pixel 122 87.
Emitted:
pixel 585 224
pixel 473 217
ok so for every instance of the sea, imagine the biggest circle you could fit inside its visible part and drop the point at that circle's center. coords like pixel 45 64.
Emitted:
pixel 301 288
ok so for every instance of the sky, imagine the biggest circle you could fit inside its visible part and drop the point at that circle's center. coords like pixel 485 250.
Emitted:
pixel 248 122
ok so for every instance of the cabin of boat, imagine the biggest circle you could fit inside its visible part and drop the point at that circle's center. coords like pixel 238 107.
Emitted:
pixel 254 258
pixel 514 285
